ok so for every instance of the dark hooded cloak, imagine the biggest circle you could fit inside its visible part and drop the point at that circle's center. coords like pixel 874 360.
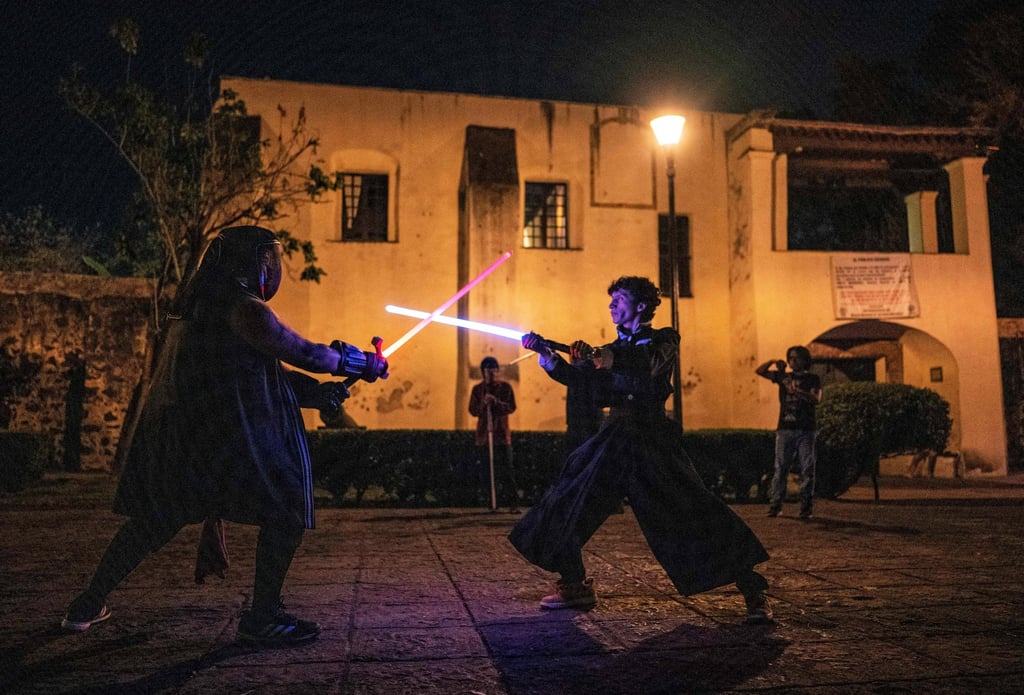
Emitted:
pixel 221 434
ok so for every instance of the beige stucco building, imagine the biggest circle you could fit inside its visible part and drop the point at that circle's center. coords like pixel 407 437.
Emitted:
pixel 440 185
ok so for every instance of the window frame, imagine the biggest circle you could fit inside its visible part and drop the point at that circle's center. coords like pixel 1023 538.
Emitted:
pixel 381 233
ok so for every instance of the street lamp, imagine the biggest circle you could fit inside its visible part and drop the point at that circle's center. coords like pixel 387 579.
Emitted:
pixel 668 130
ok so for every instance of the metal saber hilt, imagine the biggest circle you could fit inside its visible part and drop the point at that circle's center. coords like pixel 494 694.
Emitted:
pixel 377 342
pixel 555 345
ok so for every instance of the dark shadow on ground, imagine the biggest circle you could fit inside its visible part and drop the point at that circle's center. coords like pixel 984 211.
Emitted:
pixel 687 658
pixel 839 525
pixel 170 677
pixel 17 672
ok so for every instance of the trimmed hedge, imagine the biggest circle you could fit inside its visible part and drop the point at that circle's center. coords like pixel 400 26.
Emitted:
pixel 860 422
pixel 23 458
pixel 420 467
pixel 857 424
pixel 732 463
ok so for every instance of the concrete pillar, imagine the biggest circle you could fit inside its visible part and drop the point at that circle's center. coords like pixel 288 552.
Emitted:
pixel 488 226
pixel 753 233
pixel 922 222
pixel 968 199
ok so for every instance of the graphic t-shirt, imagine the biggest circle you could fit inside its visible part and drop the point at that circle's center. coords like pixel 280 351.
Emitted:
pixel 796 413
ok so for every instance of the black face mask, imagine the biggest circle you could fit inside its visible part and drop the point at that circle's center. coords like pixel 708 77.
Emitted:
pixel 248 256
pixel 268 264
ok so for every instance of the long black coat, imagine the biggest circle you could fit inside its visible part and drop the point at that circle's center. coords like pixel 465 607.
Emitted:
pixel 638 453
pixel 221 434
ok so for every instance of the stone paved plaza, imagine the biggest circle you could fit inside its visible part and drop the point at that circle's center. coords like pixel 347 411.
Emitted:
pixel 919 592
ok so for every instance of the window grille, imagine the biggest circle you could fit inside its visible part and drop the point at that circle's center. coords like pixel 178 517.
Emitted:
pixel 546 216
pixel 364 207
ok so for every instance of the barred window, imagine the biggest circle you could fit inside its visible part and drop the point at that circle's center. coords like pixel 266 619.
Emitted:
pixel 364 207
pixel 546 216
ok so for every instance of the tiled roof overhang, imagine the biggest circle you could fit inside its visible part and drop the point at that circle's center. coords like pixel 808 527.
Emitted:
pixel 822 139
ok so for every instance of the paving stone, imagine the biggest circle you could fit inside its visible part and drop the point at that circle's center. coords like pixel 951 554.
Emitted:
pixel 919 592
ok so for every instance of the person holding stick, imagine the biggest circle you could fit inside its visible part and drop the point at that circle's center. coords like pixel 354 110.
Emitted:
pixel 491 402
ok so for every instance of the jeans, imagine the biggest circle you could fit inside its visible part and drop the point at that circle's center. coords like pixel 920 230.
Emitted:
pixel 790 444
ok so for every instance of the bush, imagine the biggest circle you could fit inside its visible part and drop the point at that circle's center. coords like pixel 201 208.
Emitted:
pixel 420 468
pixel 857 424
pixel 860 422
pixel 733 462
pixel 23 458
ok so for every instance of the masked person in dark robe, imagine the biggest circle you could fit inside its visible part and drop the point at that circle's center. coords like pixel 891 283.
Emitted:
pixel 637 453
pixel 221 435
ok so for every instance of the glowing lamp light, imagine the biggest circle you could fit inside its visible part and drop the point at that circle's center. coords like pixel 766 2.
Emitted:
pixel 668 129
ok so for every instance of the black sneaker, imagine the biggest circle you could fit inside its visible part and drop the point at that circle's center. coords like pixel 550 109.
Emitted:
pixel 759 610
pixel 773 511
pixel 806 514
pixel 280 630
pixel 81 617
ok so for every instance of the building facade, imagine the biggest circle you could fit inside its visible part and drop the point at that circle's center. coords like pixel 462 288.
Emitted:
pixel 868 244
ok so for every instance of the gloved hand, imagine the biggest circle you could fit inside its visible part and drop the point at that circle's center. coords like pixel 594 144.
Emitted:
pixel 532 341
pixel 603 357
pixel 368 366
pixel 580 350
pixel 330 395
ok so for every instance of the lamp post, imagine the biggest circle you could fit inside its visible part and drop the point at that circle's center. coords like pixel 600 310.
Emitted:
pixel 668 130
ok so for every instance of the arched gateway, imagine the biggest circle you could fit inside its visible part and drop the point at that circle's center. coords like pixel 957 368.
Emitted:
pixel 886 352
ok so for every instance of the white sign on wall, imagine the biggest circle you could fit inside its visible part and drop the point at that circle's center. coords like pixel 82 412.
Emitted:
pixel 873 287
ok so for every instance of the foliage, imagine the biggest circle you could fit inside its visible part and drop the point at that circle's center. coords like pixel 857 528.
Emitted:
pixel 24 456
pixel 35 242
pixel 733 462
pixel 969 73
pixel 860 422
pixel 420 467
pixel 888 419
pixel 202 163
pixel 972 63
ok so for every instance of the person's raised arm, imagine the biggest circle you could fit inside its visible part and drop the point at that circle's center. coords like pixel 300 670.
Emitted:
pixel 765 369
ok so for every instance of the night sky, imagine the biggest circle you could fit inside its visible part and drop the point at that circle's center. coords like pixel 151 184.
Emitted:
pixel 720 55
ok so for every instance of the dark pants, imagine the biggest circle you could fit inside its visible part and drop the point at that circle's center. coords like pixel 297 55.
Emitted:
pixel 790 445
pixel 137 538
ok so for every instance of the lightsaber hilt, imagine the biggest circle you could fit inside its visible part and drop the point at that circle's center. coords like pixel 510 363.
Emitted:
pixel 562 347
pixel 555 345
pixel 377 343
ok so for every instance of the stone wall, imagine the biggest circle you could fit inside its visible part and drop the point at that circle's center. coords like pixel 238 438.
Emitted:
pixel 71 352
